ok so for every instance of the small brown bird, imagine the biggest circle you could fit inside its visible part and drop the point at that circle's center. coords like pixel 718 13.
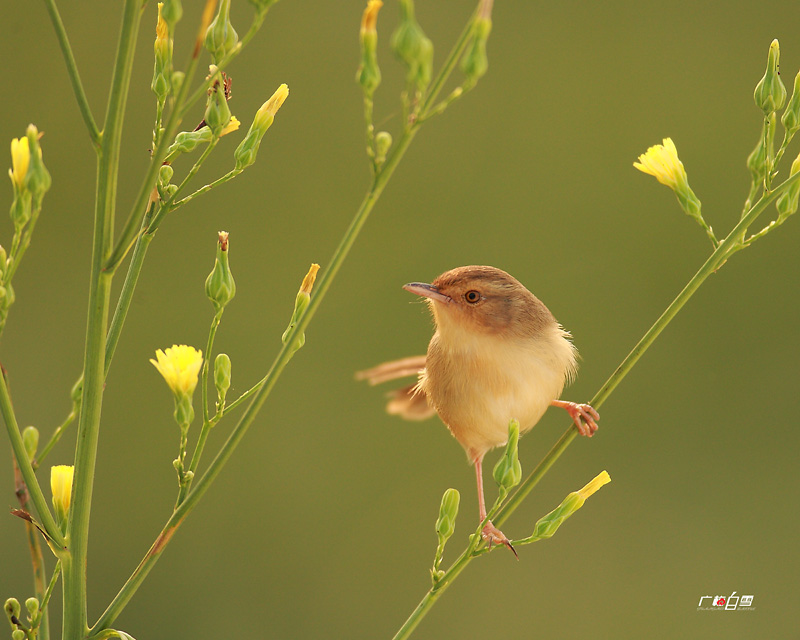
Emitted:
pixel 497 354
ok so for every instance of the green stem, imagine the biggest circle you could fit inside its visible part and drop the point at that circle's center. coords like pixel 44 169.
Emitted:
pixel 46 599
pixel 222 180
pixel 25 467
pixel 56 436
pixel 74 566
pixel 72 70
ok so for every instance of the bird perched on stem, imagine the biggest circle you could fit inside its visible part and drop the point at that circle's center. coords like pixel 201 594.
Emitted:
pixel 497 354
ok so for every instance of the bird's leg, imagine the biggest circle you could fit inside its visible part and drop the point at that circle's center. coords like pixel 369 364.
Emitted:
pixel 583 415
pixel 490 533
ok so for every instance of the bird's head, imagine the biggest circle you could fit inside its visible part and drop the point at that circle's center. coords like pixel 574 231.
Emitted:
pixel 483 300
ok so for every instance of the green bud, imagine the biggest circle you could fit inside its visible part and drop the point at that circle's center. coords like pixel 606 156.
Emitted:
pixel 18 634
pixel 12 608
pixel 218 114
pixel 162 69
pixel 770 94
pixel 177 80
pixel 246 152
pixel 76 394
pixel 300 305
pixel 549 524
pixel 188 141
pixel 448 510
pixel 786 204
pixel 222 377
pixel 172 12
pixel 369 74
pixel 757 160
pixel 413 48
pixel 220 286
pixel 221 37
pixel 21 210
pixel 3 259
pixel 508 471
pixel 38 179
pixel 791 117
pixel 165 174
pixel 475 62
pixel 32 605
pixel 30 438
pixel 383 142
pixel 184 412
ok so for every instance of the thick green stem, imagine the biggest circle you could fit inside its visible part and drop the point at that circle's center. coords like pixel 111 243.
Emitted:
pixel 72 70
pixel 75 622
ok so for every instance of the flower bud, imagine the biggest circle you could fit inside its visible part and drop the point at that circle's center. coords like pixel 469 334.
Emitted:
pixel 475 62
pixel 30 438
pixel 11 608
pixel 37 178
pixel 383 142
pixel 171 12
pixel 165 174
pixel 162 69
pixel 221 37
pixel 369 74
pixel 508 471
pixel 300 305
pixel 188 141
pixel 61 488
pixel 550 523
pixel 246 152
pixel 220 286
pixel 757 160
pixel 770 94
pixel 20 159
pixel 413 47
pixel 222 377
pixel 218 114
pixel 786 204
pixel 32 605
pixel 448 510
pixel 18 634
pixel 791 117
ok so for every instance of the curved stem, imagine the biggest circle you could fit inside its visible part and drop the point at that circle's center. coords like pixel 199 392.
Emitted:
pixel 72 70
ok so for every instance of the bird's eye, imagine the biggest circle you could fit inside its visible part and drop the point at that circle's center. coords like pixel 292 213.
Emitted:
pixel 472 296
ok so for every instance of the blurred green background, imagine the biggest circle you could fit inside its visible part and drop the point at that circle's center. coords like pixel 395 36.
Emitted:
pixel 322 526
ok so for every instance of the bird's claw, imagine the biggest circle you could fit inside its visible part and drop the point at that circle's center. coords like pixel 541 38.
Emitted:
pixel 493 535
pixel 583 415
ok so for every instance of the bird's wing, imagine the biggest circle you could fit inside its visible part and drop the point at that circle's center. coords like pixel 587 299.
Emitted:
pixel 393 370
pixel 410 402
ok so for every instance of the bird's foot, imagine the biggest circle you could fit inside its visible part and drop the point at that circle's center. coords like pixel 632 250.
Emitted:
pixel 583 415
pixel 493 535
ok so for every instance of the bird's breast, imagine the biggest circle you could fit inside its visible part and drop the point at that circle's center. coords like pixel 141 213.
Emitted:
pixel 478 383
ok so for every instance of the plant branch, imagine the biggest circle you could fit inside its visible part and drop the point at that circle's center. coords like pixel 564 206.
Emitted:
pixel 72 70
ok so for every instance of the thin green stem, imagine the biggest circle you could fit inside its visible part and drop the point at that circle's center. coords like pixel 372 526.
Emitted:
pixel 45 600
pixel 24 242
pixel 59 431
pixel 725 249
pixel 222 180
pixel 25 467
pixel 74 566
pixel 72 70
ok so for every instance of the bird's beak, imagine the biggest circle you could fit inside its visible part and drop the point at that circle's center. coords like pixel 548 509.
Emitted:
pixel 427 291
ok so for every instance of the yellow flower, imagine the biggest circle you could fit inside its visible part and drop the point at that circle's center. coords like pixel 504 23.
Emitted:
pixel 271 106
pixel 61 487
pixel 162 29
pixel 20 159
pixel 594 485
pixel 233 125
pixel 180 366
pixel 370 18
pixel 662 162
pixel 308 281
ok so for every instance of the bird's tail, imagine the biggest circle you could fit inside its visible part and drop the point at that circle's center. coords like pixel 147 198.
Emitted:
pixel 409 402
